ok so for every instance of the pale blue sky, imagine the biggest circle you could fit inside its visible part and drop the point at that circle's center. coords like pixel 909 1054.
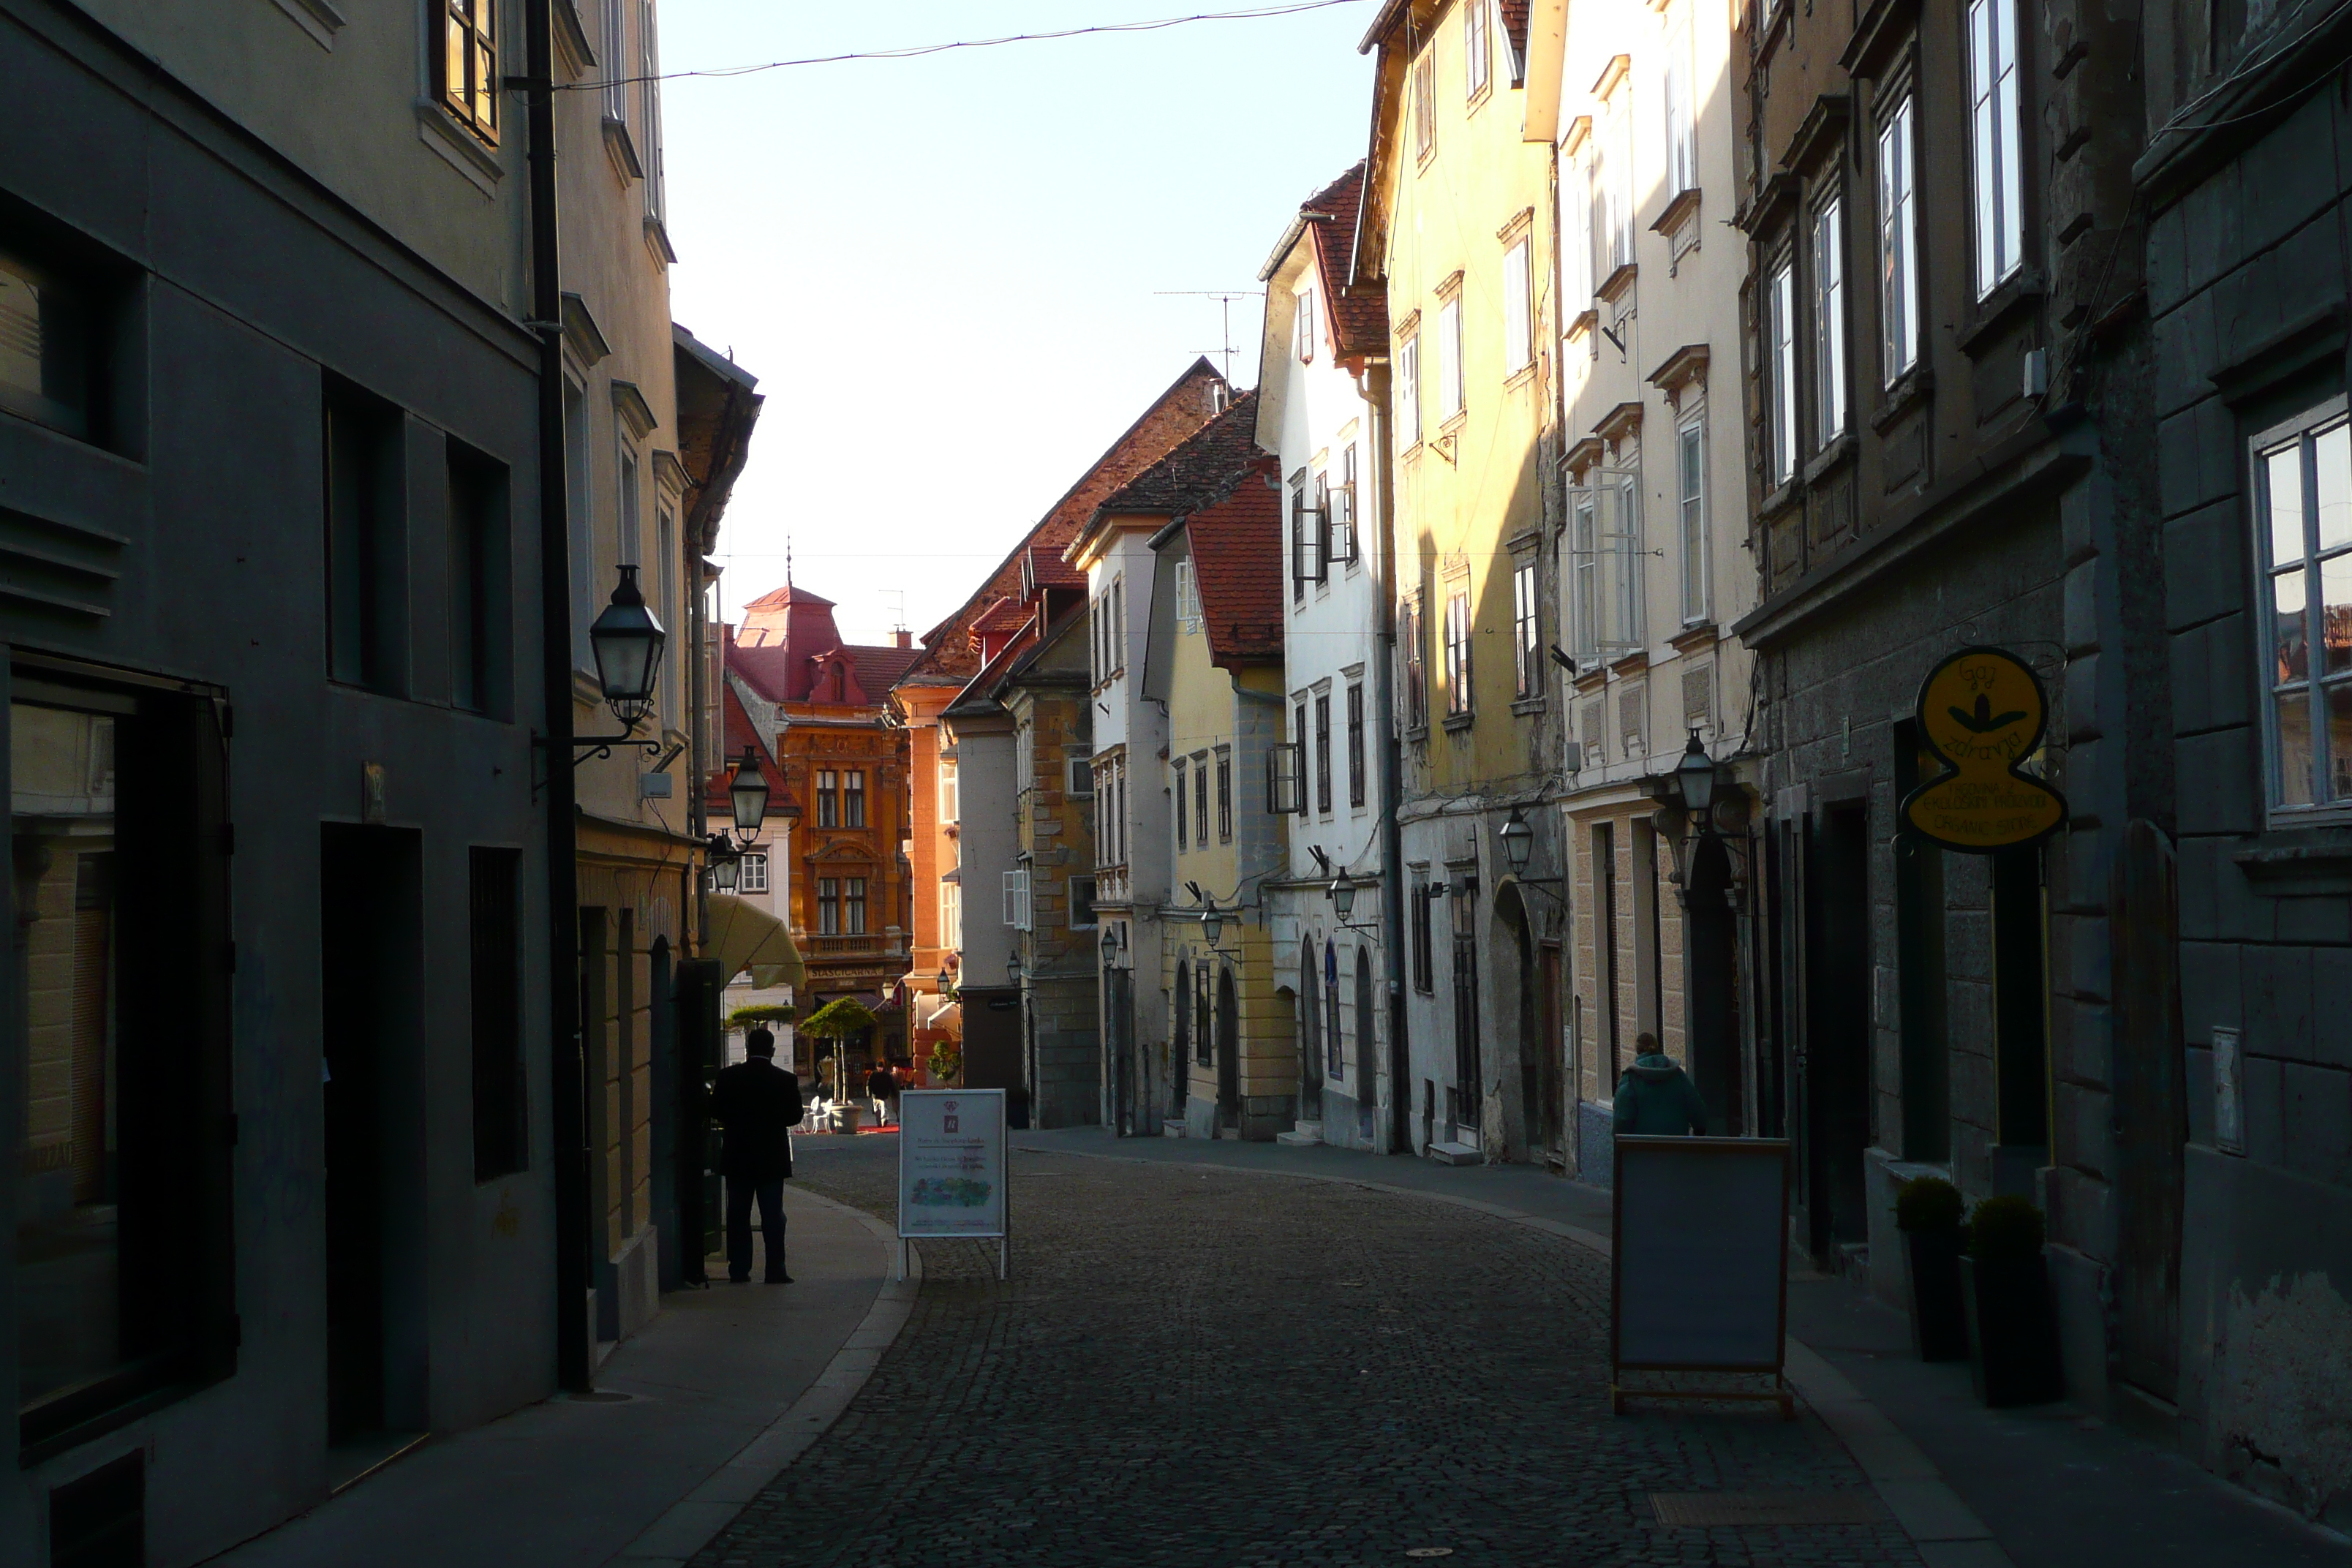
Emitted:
pixel 942 269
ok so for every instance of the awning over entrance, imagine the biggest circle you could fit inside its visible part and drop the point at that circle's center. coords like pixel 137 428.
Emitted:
pixel 744 936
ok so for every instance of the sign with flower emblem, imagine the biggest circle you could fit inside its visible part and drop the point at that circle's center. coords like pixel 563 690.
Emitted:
pixel 1982 712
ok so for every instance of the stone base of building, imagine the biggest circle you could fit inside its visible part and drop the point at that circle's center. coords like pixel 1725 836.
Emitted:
pixel 628 1289
pixel 1596 1143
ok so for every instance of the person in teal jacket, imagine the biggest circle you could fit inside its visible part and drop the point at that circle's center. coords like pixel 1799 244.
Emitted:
pixel 1657 1097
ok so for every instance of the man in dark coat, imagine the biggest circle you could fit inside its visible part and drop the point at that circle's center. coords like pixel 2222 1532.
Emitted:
pixel 882 1087
pixel 758 1103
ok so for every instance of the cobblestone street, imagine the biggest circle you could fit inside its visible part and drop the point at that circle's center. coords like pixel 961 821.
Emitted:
pixel 1221 1369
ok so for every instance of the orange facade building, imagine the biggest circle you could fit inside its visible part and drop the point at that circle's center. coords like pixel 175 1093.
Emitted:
pixel 843 761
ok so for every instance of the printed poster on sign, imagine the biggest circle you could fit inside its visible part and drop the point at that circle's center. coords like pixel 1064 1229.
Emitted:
pixel 951 1163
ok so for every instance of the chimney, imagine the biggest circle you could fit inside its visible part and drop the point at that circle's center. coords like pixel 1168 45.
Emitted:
pixel 902 637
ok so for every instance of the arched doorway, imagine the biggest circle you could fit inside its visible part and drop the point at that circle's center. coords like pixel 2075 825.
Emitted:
pixel 1180 1074
pixel 1531 1087
pixel 1712 987
pixel 1310 1036
pixel 1229 1060
pixel 1367 1069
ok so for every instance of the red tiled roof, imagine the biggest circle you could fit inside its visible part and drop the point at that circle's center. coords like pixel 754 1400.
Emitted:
pixel 1197 472
pixel 1357 313
pixel 770 670
pixel 1237 567
pixel 737 732
pixel 1001 617
pixel 779 598
pixel 1514 25
pixel 948 657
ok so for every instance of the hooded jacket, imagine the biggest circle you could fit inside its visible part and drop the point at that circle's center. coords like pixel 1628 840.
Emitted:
pixel 1656 1099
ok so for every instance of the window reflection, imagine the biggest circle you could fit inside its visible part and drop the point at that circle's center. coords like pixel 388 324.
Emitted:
pixel 69 1248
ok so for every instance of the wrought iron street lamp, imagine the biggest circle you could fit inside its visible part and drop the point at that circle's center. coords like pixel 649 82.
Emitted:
pixel 722 872
pixel 1518 841
pixel 1212 922
pixel 626 643
pixel 746 795
pixel 1013 970
pixel 1343 896
pixel 1695 774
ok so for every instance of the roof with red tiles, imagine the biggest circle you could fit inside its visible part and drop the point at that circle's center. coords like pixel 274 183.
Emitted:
pixel 781 673
pixel 737 732
pixel 1235 545
pixel 948 657
pixel 779 598
pixel 1514 25
pixel 1356 314
pixel 1201 470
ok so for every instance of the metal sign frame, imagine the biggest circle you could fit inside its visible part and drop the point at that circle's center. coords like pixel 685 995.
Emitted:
pixel 1779 1394
pixel 1003 1235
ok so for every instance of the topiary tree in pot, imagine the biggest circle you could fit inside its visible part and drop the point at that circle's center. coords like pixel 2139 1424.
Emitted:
pixel 1928 1211
pixel 2012 1330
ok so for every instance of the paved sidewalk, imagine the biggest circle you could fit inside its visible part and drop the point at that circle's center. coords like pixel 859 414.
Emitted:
pixel 2052 1486
pixel 578 1483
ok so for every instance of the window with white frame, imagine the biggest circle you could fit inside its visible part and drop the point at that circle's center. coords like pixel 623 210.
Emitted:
pixel 1424 94
pixel 1323 797
pixel 1457 652
pixel 630 511
pixel 1118 641
pixel 1449 357
pixel 828 906
pixel 1200 800
pixel 828 799
pixel 1224 794
pixel 1579 277
pixel 1411 635
pixel 1997 163
pixel 1527 629
pixel 1188 599
pixel 2302 525
pixel 1625 553
pixel 1016 900
pixel 616 49
pixel 1899 246
pixel 852 798
pixel 1357 779
pixel 1408 390
pixel 1613 184
pixel 853 906
pixel 1477 52
pixel 1682 117
pixel 649 110
pixel 753 876
pixel 1305 321
pixel 1690 464
pixel 1780 370
pixel 1342 515
pixel 1585 568
pixel 950 797
pixel 1518 303
pixel 1829 322
pixel 951 914
pixel 1177 769
pixel 1078 769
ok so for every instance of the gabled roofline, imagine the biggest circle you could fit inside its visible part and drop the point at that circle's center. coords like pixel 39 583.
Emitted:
pixel 931 638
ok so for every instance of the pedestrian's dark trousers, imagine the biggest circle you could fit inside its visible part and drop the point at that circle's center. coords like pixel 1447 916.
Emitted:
pixel 740 1191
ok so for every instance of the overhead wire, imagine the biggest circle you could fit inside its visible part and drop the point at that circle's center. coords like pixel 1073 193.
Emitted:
pixel 917 51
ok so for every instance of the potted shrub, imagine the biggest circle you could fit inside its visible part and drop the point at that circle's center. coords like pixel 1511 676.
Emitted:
pixel 2012 1333
pixel 1928 1211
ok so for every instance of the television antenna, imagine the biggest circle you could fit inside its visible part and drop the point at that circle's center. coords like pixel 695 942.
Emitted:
pixel 1225 298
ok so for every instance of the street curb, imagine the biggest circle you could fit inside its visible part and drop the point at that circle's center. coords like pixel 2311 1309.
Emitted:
pixel 694 1520
pixel 1946 1530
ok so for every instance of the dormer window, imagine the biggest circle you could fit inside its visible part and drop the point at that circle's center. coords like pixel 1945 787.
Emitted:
pixel 1307 326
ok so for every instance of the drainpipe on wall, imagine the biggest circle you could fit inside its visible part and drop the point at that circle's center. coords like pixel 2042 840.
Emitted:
pixel 573 1368
pixel 1392 937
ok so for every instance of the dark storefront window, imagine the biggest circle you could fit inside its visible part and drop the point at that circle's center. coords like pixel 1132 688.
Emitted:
pixel 122 1249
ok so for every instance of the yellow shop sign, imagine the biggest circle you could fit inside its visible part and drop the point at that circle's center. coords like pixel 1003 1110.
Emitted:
pixel 1982 712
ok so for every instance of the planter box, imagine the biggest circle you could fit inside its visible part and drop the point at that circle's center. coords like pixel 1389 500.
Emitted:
pixel 2012 1333
pixel 1939 1317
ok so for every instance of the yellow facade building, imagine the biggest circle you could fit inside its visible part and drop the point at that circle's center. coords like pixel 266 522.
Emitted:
pixel 1458 220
